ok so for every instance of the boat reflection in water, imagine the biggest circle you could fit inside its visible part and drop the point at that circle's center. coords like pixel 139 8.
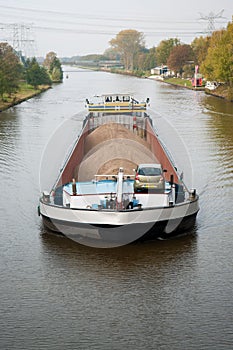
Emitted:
pixel 93 200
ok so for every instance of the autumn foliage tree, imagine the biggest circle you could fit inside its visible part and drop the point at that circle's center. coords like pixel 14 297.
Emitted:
pixel 128 43
pixel 200 48
pixel 164 50
pixel 218 64
pixel 179 57
pixel 53 65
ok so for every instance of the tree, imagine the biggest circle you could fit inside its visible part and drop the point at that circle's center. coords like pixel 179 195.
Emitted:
pixel 148 59
pixel 36 74
pixel 218 64
pixel 200 47
pixel 164 49
pixel 179 57
pixel 50 57
pixel 111 54
pixel 93 57
pixel 10 69
pixel 53 65
pixel 128 43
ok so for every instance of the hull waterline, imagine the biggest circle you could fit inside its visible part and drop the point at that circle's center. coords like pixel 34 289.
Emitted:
pixel 139 225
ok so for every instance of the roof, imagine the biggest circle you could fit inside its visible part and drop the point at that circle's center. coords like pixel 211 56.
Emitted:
pixel 117 94
pixel 148 165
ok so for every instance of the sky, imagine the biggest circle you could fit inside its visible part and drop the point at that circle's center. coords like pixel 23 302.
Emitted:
pixel 73 27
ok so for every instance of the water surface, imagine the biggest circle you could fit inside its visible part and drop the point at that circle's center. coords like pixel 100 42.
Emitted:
pixel 172 294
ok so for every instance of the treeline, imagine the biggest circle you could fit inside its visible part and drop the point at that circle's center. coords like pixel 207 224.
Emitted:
pixel 13 71
pixel 212 54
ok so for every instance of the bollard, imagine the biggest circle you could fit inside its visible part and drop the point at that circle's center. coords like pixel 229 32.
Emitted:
pixel 192 194
pixel 46 197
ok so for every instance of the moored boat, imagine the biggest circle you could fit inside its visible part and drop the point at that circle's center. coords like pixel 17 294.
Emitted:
pixel 102 197
pixel 211 85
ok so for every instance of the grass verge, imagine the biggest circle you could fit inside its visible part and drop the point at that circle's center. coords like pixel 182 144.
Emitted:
pixel 24 93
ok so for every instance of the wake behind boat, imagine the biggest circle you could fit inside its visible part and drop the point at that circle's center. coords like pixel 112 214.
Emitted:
pixel 118 184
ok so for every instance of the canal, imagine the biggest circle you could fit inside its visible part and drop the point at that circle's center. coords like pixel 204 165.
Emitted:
pixel 166 294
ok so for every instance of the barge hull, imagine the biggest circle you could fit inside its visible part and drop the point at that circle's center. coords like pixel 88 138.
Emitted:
pixel 118 235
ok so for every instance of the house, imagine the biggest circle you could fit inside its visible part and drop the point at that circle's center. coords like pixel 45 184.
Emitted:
pixel 162 70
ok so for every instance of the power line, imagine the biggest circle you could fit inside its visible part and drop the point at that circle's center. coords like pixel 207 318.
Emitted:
pixel 109 32
pixel 101 18
pixel 87 21
pixel 211 20
pixel 84 15
pixel 20 36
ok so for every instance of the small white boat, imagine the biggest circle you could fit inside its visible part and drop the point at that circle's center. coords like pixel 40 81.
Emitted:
pixel 94 200
pixel 211 85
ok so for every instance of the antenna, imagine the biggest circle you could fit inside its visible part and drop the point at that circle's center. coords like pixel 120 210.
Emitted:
pixel 211 19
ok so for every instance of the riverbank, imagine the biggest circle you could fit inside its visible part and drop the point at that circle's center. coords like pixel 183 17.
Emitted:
pixel 222 91
pixel 24 93
pixel 135 73
pixel 184 83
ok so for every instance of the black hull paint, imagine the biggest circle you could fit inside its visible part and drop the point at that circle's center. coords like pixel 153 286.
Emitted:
pixel 151 231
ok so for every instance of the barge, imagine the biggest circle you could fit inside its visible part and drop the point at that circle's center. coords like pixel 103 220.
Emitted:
pixel 94 199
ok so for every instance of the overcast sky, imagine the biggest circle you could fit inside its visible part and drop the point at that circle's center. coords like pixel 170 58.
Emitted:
pixel 73 27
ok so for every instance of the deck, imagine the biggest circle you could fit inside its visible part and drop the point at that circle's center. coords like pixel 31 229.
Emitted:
pixel 102 194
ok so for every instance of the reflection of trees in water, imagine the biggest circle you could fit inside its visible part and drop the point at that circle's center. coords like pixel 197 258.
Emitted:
pixel 217 105
pixel 221 121
pixel 9 124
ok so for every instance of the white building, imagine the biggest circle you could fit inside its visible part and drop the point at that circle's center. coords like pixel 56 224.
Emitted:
pixel 162 70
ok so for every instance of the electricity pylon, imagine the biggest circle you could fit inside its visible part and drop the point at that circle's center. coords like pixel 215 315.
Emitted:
pixel 211 19
pixel 20 37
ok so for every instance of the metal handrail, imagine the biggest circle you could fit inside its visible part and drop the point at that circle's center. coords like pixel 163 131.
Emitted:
pixel 113 175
